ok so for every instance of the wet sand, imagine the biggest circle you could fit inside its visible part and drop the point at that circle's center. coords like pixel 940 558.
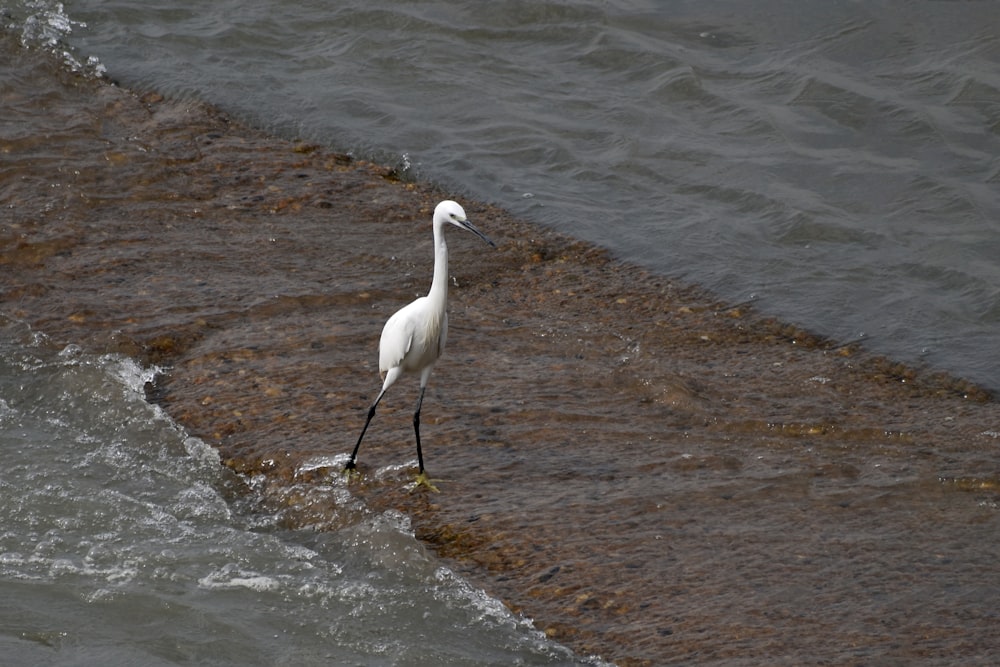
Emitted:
pixel 650 474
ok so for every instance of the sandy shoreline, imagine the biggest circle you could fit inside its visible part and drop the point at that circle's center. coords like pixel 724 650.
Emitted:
pixel 616 453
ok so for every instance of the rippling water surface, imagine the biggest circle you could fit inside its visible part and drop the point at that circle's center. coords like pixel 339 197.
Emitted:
pixel 835 162
pixel 118 546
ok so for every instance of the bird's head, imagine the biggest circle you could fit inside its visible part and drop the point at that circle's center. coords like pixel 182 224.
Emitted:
pixel 451 212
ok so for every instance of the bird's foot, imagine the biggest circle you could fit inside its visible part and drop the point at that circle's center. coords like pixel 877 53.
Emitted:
pixel 350 471
pixel 423 480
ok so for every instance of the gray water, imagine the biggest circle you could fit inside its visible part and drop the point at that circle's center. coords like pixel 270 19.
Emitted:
pixel 121 542
pixel 835 162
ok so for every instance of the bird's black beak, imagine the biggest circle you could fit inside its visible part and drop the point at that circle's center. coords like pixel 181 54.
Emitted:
pixel 472 228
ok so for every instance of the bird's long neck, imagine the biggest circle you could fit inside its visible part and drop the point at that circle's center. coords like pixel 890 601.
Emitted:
pixel 439 285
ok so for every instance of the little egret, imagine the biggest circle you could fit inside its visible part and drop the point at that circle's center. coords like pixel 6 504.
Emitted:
pixel 414 337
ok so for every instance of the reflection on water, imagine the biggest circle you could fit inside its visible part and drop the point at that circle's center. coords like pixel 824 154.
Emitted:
pixel 651 475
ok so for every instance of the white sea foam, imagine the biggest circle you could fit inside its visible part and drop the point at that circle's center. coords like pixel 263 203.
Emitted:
pixel 334 462
pixel 46 25
pixel 231 576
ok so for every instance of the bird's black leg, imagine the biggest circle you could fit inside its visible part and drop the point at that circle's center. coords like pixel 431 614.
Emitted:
pixel 421 475
pixel 371 413
pixel 416 431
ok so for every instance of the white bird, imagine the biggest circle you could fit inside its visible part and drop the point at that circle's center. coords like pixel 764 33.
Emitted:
pixel 414 337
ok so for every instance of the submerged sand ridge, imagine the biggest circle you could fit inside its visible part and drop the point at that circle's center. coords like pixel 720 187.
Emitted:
pixel 651 475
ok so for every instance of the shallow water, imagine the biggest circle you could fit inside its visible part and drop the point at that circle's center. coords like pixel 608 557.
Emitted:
pixel 124 541
pixel 650 474
pixel 835 163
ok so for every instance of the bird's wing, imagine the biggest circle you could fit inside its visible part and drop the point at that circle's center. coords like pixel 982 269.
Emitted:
pixel 444 334
pixel 397 337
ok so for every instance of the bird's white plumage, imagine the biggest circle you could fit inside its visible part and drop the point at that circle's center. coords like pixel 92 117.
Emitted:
pixel 414 337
